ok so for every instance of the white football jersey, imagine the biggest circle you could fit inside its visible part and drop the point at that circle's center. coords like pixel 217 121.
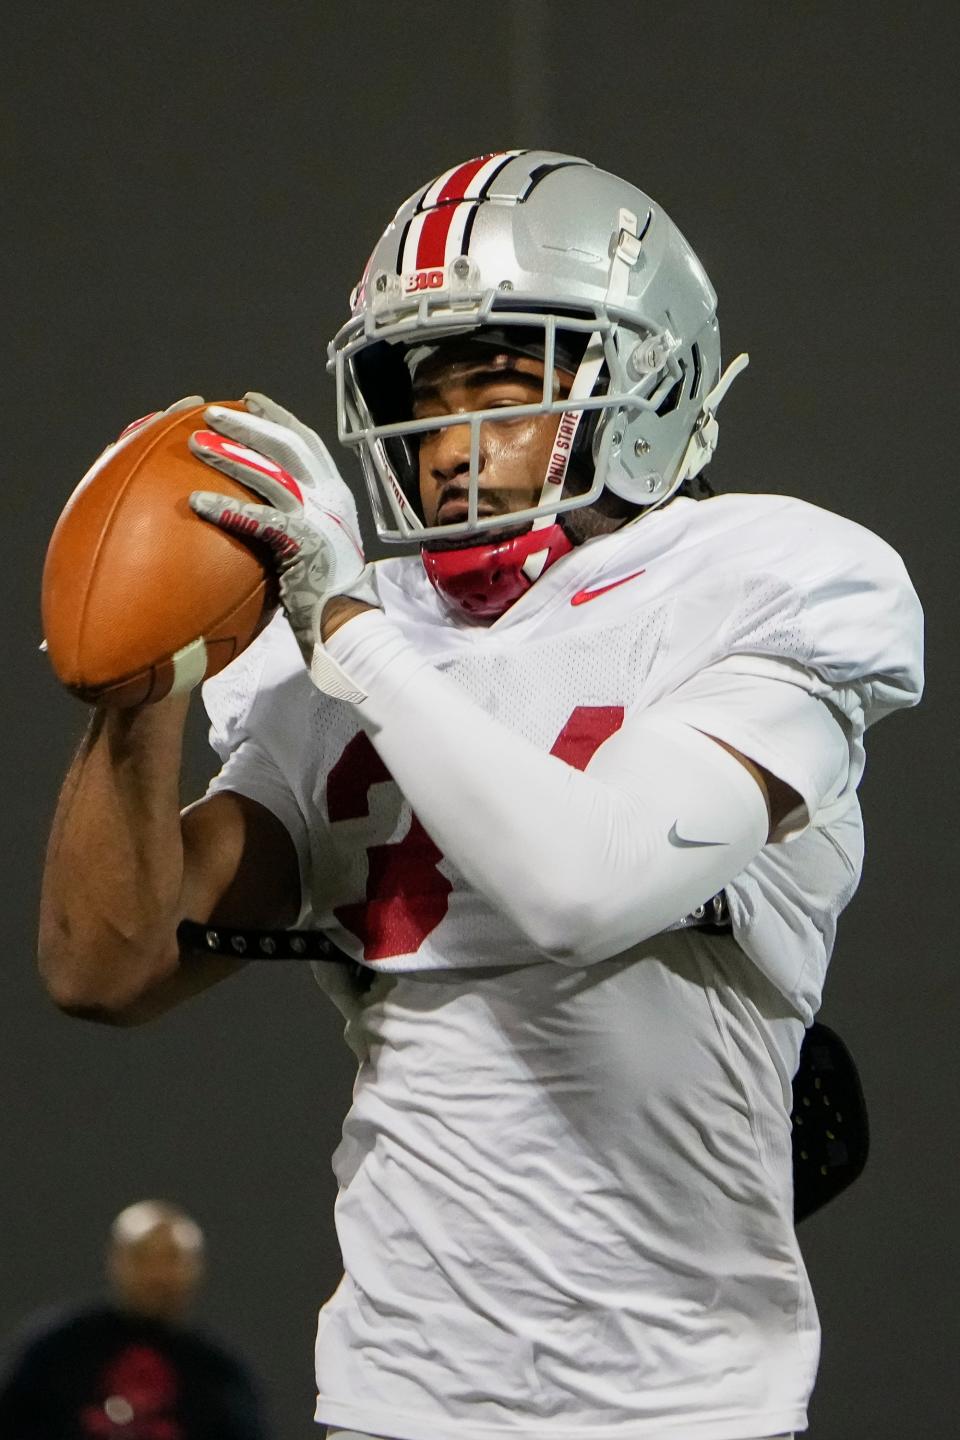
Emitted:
pixel 565 1193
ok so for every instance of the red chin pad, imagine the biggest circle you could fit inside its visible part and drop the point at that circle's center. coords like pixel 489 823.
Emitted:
pixel 483 581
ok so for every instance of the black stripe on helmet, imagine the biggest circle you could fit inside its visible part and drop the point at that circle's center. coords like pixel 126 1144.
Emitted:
pixel 468 230
pixel 403 245
pixel 417 209
pixel 485 187
pixel 541 173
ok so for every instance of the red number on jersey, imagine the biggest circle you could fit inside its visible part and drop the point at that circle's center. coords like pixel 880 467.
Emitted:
pixel 585 732
pixel 407 896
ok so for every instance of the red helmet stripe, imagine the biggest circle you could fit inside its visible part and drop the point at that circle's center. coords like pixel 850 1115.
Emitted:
pixel 455 187
pixel 438 226
pixel 467 181
pixel 432 245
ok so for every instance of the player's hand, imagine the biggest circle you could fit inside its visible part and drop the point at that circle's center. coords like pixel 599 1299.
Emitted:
pixel 310 521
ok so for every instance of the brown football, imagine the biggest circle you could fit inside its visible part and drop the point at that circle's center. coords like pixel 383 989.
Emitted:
pixel 141 596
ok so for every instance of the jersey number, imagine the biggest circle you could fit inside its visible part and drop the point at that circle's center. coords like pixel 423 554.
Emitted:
pixel 407 895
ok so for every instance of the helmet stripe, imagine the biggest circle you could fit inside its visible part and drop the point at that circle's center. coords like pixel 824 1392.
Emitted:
pixel 463 181
pixel 480 187
pixel 441 235
pixel 401 248
pixel 463 215
pixel 411 243
pixel 432 193
pixel 431 240
pixel 454 180
pixel 456 186
pixel 468 229
pixel 432 245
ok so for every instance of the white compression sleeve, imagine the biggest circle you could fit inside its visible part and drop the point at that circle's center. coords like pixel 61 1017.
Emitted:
pixel 587 863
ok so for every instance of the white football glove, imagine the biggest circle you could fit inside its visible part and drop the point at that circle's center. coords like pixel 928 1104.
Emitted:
pixel 309 525
pixel 187 403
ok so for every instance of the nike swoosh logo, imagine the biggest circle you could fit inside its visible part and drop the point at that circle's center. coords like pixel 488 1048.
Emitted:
pixel 683 844
pixel 582 596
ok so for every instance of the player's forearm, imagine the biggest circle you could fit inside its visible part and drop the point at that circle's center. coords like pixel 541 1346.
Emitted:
pixel 583 864
pixel 114 866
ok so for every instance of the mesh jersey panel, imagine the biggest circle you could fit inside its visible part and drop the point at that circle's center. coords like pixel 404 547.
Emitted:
pixel 772 619
pixel 533 690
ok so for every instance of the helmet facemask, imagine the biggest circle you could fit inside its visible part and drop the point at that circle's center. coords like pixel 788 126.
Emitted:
pixel 375 398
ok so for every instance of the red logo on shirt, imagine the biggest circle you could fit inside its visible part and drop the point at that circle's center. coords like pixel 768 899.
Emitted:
pixel 139 1388
pixel 582 596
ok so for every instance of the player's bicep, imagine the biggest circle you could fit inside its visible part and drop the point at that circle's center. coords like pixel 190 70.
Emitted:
pixel 240 863
pixel 780 798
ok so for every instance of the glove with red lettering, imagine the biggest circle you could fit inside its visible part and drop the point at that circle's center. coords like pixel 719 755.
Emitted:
pixel 309 523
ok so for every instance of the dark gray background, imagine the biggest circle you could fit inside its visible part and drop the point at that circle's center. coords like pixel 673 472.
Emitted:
pixel 195 190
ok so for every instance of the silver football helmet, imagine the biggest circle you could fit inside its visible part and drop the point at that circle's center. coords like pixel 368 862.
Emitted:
pixel 529 242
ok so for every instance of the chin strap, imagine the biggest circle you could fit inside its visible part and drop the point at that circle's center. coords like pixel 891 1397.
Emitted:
pixel 483 581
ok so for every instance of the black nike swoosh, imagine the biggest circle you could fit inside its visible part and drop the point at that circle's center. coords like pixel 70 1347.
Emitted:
pixel 683 844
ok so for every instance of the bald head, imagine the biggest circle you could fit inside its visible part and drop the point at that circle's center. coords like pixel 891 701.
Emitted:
pixel 155 1259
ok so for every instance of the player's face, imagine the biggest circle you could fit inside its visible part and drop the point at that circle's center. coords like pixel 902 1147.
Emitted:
pixel 156 1275
pixel 513 453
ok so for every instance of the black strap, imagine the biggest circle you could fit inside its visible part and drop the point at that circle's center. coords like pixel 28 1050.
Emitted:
pixel 246 944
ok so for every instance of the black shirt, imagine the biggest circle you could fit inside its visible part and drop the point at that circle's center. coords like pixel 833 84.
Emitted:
pixel 103 1374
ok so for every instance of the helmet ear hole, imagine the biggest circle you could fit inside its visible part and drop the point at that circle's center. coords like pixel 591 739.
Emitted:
pixel 697 371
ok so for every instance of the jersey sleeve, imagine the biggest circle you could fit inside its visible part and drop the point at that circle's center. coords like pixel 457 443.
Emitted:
pixel 772 718
pixel 809 606
pixel 242 704
pixel 828 596
pixel 28 1376
pixel 248 770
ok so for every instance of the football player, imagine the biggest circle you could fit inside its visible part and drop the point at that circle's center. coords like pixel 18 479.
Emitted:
pixel 574 786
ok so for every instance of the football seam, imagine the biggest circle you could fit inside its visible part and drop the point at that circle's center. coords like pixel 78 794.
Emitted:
pixel 173 420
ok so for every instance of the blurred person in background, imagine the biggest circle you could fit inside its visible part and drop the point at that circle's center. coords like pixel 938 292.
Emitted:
pixel 129 1366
